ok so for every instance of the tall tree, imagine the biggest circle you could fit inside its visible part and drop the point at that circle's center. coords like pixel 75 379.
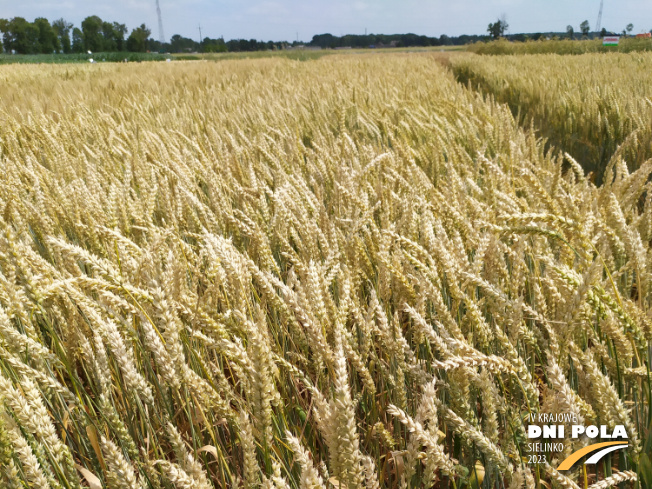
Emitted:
pixel 77 40
pixel 47 36
pixel 108 37
pixel 497 29
pixel 62 29
pixel 4 23
pixel 119 33
pixel 92 31
pixel 629 28
pixel 585 27
pixel 570 31
pixel 21 36
pixel 137 41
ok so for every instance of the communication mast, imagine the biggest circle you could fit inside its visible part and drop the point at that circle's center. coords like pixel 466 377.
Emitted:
pixel 161 36
pixel 599 22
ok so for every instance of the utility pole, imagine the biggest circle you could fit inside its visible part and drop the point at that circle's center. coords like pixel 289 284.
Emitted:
pixel 599 22
pixel 161 36
pixel 200 38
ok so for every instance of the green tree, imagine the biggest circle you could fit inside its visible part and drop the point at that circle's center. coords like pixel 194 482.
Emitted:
pixel 6 34
pixel 21 36
pixel 137 41
pixel 570 31
pixel 629 28
pixel 119 33
pixel 585 27
pixel 92 31
pixel 108 37
pixel 3 28
pixel 179 44
pixel 497 29
pixel 62 30
pixel 47 36
pixel 214 45
pixel 77 40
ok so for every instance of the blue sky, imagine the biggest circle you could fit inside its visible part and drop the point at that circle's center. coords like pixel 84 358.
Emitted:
pixel 282 20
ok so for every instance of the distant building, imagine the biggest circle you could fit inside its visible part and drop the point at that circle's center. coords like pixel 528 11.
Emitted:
pixel 646 35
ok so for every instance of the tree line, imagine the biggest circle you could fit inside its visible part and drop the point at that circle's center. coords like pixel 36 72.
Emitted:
pixel 180 44
pixel 497 30
pixel 41 36
pixel 585 29
pixel 97 35
pixel 385 40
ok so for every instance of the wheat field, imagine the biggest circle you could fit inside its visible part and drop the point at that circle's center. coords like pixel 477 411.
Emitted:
pixel 342 273
pixel 555 45
pixel 592 106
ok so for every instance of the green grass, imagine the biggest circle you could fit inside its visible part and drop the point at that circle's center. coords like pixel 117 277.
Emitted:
pixel 80 58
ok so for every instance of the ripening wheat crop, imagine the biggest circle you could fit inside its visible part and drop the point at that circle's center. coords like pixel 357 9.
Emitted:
pixel 560 46
pixel 350 272
pixel 594 106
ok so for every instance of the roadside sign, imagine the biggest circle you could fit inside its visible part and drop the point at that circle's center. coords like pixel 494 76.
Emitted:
pixel 610 40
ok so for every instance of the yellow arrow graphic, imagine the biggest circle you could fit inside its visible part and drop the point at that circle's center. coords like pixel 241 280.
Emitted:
pixel 575 456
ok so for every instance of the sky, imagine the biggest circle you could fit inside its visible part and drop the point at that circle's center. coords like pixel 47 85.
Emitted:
pixel 288 20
